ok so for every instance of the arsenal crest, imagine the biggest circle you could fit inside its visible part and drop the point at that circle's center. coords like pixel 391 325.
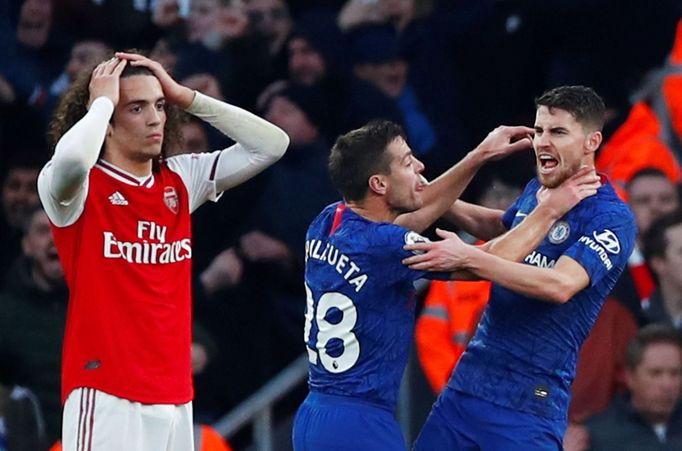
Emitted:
pixel 170 197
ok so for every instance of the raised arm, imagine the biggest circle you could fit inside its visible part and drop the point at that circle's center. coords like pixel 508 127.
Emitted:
pixel 259 143
pixel 482 222
pixel 441 193
pixel 518 242
pixel 63 180
pixel 557 285
pixel 77 151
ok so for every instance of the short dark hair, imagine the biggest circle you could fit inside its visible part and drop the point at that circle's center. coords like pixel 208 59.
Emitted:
pixel 582 102
pixel 646 172
pixel 646 336
pixel 655 242
pixel 359 154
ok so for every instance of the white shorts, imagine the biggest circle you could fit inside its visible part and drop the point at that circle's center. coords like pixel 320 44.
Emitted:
pixel 97 421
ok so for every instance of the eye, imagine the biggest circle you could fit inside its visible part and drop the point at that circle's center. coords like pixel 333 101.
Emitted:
pixel 136 109
pixel 160 105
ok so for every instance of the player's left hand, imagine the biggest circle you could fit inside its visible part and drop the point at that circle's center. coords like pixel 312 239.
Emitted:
pixel 505 140
pixel 174 91
pixel 447 255
pixel 579 186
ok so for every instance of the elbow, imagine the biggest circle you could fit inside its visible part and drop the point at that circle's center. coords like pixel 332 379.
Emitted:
pixel 280 144
pixel 560 293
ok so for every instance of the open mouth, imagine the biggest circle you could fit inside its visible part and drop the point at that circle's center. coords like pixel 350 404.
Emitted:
pixel 547 163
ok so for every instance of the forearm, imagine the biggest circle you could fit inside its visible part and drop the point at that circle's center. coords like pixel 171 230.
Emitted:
pixel 259 143
pixel 481 222
pixel 77 151
pixel 441 193
pixel 253 133
pixel 545 284
pixel 518 242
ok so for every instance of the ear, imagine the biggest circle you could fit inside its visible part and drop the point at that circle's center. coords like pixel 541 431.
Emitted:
pixel 378 184
pixel 594 140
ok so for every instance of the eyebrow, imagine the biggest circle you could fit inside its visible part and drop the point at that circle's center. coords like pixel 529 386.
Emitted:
pixel 144 101
pixel 551 129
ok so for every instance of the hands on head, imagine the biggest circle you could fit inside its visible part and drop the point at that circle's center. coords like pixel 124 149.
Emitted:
pixel 104 81
pixel 106 77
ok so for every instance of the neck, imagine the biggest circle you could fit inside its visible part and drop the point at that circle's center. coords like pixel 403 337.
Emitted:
pixel 374 209
pixel 137 168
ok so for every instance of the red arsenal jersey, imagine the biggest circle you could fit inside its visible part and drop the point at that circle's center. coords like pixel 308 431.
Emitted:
pixel 127 262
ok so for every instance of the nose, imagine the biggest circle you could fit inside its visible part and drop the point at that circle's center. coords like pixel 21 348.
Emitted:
pixel 541 140
pixel 154 117
pixel 418 166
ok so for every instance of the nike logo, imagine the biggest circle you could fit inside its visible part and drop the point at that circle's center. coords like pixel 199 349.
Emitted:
pixel 520 215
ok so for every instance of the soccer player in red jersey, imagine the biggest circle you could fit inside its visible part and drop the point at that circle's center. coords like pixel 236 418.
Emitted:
pixel 121 220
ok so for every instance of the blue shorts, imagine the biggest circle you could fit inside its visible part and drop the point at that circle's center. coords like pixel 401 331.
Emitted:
pixel 462 422
pixel 339 423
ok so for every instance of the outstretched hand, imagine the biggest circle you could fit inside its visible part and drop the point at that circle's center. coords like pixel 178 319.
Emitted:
pixel 174 91
pixel 104 81
pixel 505 140
pixel 579 186
pixel 449 255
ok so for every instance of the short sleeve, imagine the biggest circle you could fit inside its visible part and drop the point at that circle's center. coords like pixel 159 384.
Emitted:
pixel 197 172
pixel 605 244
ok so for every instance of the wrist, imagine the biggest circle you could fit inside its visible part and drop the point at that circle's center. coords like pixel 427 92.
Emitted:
pixel 549 211
pixel 479 156
pixel 186 97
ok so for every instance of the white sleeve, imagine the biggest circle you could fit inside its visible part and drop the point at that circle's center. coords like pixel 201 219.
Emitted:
pixel 197 172
pixel 259 143
pixel 63 182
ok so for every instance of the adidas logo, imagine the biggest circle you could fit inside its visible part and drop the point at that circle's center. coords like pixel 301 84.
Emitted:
pixel 117 199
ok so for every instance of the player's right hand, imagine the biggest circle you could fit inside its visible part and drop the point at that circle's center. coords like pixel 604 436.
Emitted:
pixel 104 81
pixel 505 140
pixel 449 254
pixel 579 186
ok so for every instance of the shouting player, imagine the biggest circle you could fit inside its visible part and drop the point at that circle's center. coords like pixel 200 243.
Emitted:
pixel 360 308
pixel 511 388
pixel 121 222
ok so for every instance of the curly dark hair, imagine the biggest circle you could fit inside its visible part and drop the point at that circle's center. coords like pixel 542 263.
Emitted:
pixel 73 106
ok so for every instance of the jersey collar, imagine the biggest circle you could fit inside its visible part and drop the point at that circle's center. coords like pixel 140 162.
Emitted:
pixel 124 176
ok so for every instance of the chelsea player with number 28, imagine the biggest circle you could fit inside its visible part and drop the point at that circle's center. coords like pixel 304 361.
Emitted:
pixel 360 307
pixel 511 388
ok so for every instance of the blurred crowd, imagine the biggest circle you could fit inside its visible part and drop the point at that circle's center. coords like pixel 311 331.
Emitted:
pixel 448 71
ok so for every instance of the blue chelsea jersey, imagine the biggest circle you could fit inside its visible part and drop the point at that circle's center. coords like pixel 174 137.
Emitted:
pixel 524 353
pixel 359 317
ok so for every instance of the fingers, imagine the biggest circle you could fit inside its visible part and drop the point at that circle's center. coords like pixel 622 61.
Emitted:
pixel 119 68
pixel 423 247
pixel 521 144
pixel 445 233
pixel 424 266
pixel 421 258
pixel 518 130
